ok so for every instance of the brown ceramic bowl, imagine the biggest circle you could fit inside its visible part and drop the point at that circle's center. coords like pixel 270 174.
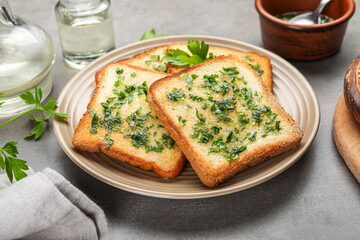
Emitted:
pixel 302 42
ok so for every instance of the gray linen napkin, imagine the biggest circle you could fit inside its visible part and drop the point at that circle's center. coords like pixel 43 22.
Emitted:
pixel 46 206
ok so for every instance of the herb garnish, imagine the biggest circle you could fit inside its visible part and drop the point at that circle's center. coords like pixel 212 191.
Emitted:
pixel 176 95
pixel 212 83
pixel 200 117
pixel 233 104
pixel 189 79
pixel 10 163
pixel 135 125
pixel 182 120
pixel 157 63
pixel 110 141
pixel 46 111
pixel 196 98
pixel 198 50
pixel 167 140
pixel 257 68
pixel 2 94
pixel 151 34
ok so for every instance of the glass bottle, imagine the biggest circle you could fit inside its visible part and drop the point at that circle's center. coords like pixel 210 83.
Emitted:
pixel 26 59
pixel 85 29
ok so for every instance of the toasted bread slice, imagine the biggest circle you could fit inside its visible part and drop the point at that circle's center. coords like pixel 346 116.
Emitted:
pixel 260 64
pixel 223 117
pixel 151 60
pixel 120 123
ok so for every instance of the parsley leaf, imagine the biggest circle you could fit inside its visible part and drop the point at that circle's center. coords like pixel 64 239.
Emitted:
pixel 2 94
pixel 179 57
pixel 151 34
pixel 174 57
pixel 46 111
pixel 10 163
pixel 198 50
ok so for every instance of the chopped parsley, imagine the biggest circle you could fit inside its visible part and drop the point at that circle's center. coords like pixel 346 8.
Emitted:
pixel 196 98
pixel 167 140
pixel 156 63
pixel 253 137
pixel 151 148
pixel 257 68
pixel 119 71
pixel 176 95
pixel 140 137
pixel 182 120
pixel 110 141
pixel 188 107
pixel 189 79
pixel 229 102
pixel 200 117
pixel 135 126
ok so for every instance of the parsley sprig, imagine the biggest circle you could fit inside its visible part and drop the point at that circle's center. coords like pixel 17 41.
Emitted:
pixel 151 34
pixel 13 166
pixel 46 111
pixel 10 163
pixel 2 94
pixel 198 50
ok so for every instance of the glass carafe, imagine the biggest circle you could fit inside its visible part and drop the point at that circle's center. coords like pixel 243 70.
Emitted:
pixel 26 59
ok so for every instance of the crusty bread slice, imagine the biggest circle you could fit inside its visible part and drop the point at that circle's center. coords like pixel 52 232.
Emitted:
pixel 151 60
pixel 260 64
pixel 138 136
pixel 223 117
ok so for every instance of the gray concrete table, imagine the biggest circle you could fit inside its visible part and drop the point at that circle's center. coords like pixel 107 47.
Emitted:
pixel 317 198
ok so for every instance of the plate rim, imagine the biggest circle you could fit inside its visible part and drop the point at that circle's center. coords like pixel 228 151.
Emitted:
pixel 103 60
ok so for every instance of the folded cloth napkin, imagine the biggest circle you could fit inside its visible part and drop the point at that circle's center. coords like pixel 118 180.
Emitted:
pixel 45 205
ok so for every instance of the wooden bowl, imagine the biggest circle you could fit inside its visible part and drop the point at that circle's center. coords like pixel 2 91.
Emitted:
pixel 352 89
pixel 303 42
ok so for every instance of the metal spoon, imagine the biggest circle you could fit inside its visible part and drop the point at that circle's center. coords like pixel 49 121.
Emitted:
pixel 310 18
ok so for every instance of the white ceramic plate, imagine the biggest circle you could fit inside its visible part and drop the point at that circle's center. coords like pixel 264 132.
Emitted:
pixel 290 88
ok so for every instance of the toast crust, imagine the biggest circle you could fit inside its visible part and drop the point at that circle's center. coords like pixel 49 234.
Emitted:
pixel 209 175
pixel 167 164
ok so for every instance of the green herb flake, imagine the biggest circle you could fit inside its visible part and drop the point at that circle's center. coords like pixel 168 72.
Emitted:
pixel 151 34
pixel 140 137
pixel 200 117
pixel 181 58
pixel 119 71
pixel 253 137
pixel 176 95
pixel 205 136
pixel 158 148
pixel 196 98
pixel 182 120
pixel 189 79
pixel 257 68
pixel 108 145
pixel 2 94
pixel 167 141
